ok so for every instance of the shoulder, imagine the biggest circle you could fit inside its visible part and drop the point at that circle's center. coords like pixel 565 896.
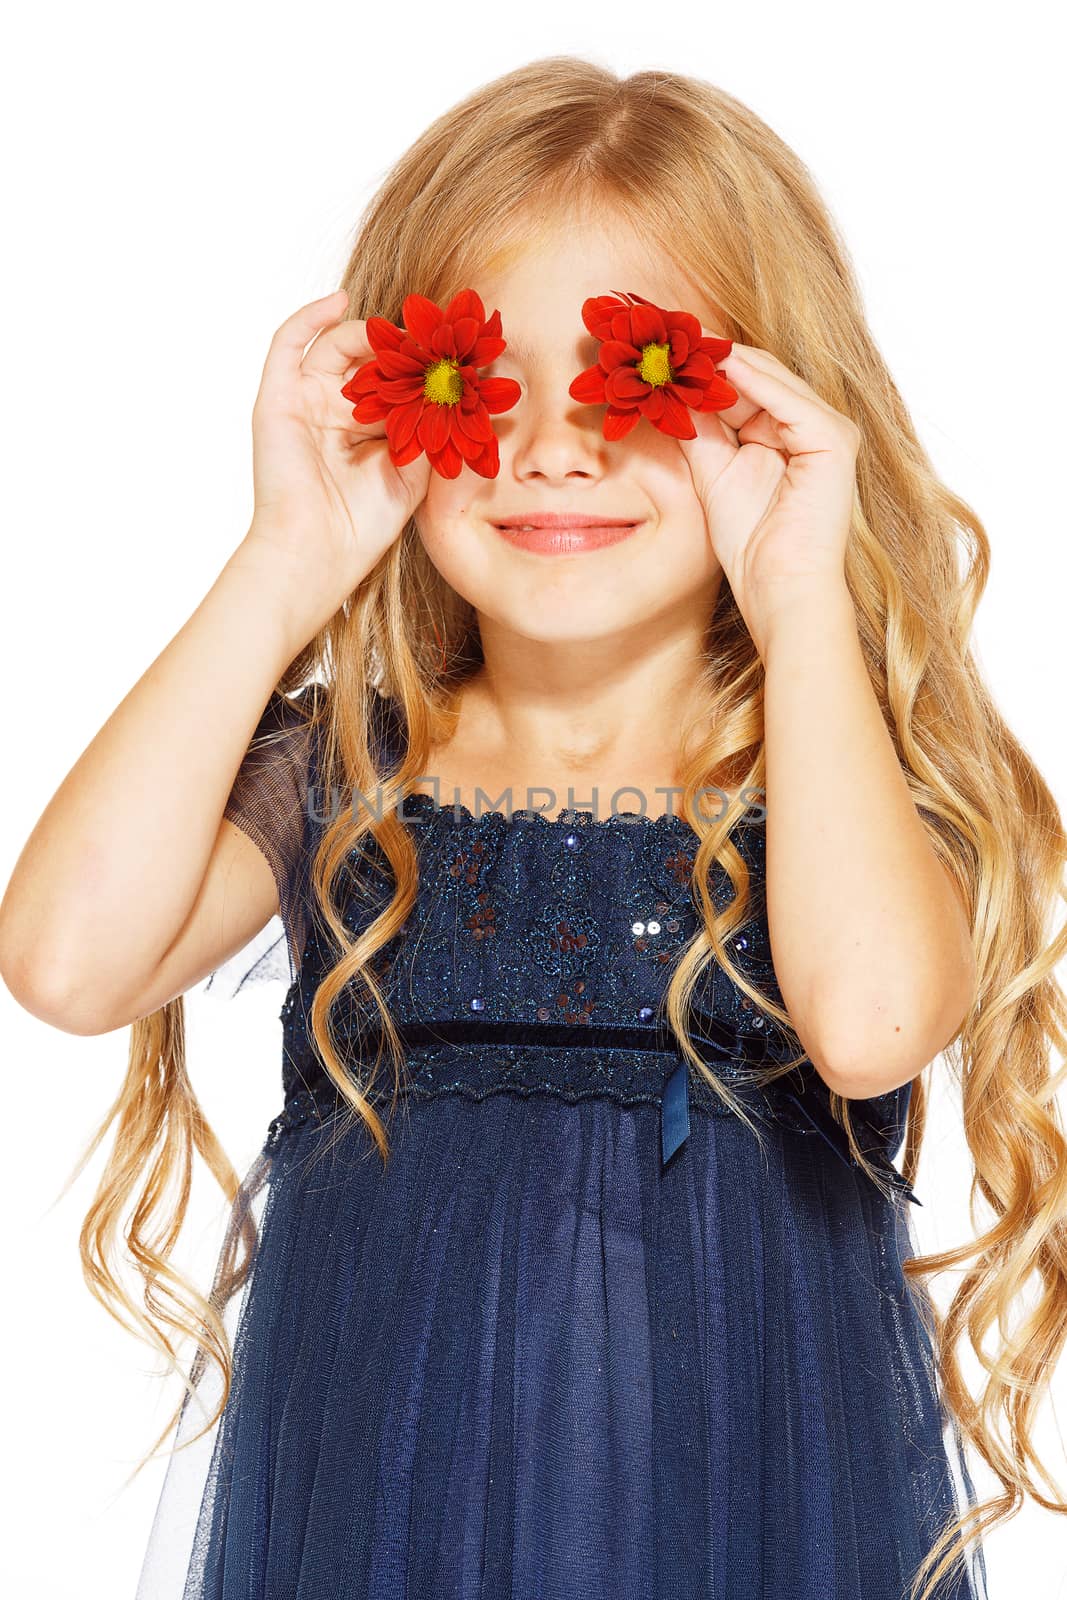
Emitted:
pixel 295 718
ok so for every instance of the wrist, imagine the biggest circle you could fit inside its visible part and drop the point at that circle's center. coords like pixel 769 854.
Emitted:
pixel 276 589
pixel 796 606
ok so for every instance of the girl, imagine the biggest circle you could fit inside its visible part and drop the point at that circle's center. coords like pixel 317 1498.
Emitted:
pixel 576 1261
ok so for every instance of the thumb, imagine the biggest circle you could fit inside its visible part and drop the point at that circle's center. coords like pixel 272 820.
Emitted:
pixel 291 340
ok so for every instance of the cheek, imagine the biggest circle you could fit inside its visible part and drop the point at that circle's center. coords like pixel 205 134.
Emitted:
pixel 667 484
pixel 444 516
pixel 445 504
pixel 445 525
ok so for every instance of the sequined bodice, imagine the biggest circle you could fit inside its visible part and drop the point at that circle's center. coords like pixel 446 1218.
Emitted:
pixel 535 920
pixel 536 958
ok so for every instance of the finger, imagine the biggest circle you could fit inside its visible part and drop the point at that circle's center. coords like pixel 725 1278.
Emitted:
pixel 765 362
pixel 291 339
pixel 802 417
pixel 735 416
pixel 338 348
pixel 713 447
pixel 762 429
pixel 731 417
pixel 729 432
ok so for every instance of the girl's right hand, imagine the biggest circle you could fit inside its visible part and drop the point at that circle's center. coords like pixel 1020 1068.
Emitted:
pixel 328 500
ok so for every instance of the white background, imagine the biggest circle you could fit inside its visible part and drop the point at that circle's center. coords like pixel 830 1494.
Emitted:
pixel 177 182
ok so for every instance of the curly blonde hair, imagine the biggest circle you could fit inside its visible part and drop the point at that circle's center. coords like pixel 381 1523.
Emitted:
pixel 741 216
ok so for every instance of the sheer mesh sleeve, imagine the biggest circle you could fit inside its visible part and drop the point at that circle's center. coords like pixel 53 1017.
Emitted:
pixel 268 802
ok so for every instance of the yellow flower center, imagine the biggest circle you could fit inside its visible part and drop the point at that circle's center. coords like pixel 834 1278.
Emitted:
pixel 443 383
pixel 654 366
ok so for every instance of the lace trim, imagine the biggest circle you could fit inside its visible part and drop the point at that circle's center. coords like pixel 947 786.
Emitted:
pixel 799 1116
pixel 324 1103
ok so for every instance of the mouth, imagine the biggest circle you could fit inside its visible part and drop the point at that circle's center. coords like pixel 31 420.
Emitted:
pixel 562 533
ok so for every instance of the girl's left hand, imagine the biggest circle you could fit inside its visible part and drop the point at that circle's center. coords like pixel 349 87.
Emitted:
pixel 776 476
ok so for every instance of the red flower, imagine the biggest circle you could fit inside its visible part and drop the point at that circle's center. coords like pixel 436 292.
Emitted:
pixel 424 382
pixel 652 363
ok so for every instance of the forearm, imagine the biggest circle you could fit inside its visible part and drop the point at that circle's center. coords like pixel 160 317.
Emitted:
pixel 871 945
pixel 112 868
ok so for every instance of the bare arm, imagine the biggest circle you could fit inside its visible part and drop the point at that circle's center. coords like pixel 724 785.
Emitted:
pixel 871 943
pixel 109 879
pixel 132 886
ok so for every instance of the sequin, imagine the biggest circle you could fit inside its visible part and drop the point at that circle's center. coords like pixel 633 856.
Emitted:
pixel 482 922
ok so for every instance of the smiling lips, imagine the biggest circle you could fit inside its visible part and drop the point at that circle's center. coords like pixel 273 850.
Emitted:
pixel 557 532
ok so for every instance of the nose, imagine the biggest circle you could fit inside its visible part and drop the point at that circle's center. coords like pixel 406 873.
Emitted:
pixel 550 435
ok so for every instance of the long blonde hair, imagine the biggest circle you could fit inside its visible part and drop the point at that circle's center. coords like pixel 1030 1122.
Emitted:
pixel 739 212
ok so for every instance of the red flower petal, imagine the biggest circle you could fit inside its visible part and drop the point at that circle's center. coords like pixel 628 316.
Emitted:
pixel 690 394
pixel 410 452
pixel 625 385
pixel 717 349
pixel 365 381
pixel 679 348
pixel 620 327
pixel 488 464
pixel 371 408
pixel 421 318
pixel 499 394
pixel 617 424
pixel 698 369
pixel 443 342
pixel 647 326
pixel 613 352
pixel 433 428
pixel 470 447
pixel 383 334
pixel 597 312
pixel 400 390
pixel 486 349
pixel 685 323
pixel 467 330
pixel 473 425
pixel 402 422
pixel 467 303
pixel 718 396
pixel 588 387
pixel 398 364
pixel 447 461
pixel 675 419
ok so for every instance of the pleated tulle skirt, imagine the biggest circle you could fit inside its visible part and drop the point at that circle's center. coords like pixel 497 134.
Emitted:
pixel 523 1360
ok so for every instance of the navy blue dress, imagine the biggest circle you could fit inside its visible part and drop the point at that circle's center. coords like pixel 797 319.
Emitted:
pixel 585 1335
